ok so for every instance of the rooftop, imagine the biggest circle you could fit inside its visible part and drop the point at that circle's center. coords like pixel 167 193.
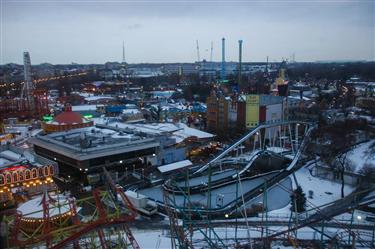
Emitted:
pixel 180 131
pixel 11 156
pixel 93 142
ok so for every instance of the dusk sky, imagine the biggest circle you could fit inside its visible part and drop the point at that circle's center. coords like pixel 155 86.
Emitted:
pixel 66 31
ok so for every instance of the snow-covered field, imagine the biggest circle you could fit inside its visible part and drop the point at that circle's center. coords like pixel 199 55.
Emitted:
pixel 360 155
pixel 152 239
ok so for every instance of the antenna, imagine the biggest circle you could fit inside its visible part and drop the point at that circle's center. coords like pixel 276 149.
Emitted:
pixel 212 48
pixel 199 59
pixel 123 52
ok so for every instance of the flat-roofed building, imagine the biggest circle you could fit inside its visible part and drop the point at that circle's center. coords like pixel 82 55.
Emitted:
pixel 81 153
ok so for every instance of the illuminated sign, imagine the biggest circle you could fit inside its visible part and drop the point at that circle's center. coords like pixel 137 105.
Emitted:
pixel 47 118
pixel 252 110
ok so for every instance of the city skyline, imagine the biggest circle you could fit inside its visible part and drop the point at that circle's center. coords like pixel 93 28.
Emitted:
pixel 85 32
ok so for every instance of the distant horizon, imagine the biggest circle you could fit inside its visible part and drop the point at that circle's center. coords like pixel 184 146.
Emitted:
pixel 158 31
pixel 156 63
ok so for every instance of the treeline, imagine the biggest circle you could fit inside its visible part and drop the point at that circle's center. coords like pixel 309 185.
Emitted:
pixel 332 71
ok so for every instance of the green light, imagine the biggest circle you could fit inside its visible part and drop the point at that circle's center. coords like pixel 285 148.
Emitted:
pixel 88 116
pixel 47 118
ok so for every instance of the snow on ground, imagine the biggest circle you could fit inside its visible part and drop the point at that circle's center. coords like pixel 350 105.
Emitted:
pixel 151 239
pixel 227 234
pixel 360 155
pixel 324 192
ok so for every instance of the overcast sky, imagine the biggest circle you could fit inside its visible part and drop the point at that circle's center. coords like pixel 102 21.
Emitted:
pixel 83 31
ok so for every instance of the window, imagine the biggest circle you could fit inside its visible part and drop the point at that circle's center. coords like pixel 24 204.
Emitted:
pixel 20 176
pixel 15 177
pixel 8 178
pixel 45 170
pixel 27 175
pixel 51 170
pixel 34 173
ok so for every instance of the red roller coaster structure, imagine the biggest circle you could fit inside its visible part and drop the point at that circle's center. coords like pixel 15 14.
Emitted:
pixel 96 221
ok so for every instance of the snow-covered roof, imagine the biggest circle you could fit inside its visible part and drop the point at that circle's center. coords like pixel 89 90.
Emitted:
pixel 131 111
pixel 10 155
pixel 299 98
pixel 187 131
pixel 33 208
pixel 174 166
pixel 79 108
pixel 179 131
pixel 163 94
pixel 98 97
pixel 3 161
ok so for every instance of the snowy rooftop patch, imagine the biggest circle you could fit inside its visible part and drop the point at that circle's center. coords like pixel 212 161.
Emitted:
pixel 174 166
pixel 10 155
pixel 180 131
pixel 79 108
pixel 130 111
pixel 187 131
pixel 34 209
pixel 98 97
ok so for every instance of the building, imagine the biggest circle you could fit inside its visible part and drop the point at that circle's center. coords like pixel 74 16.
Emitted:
pixel 81 153
pixel 217 113
pixel 66 120
pixel 232 112
pixel 263 109
pixel 223 114
pixel 212 112
pixel 23 173
pixel 175 139
pixel 243 111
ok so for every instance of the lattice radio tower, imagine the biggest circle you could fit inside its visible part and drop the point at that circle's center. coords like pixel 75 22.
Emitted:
pixel 28 86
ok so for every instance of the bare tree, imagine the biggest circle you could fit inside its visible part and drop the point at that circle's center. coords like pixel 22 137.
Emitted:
pixel 343 164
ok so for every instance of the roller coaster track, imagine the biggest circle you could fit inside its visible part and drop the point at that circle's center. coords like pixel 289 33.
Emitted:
pixel 244 138
pixel 256 191
pixel 356 199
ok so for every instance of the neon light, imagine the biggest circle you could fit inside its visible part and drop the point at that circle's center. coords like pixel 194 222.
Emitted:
pixel 88 116
pixel 47 118
pixel 19 167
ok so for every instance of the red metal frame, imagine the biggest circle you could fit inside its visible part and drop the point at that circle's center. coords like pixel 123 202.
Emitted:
pixel 77 229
